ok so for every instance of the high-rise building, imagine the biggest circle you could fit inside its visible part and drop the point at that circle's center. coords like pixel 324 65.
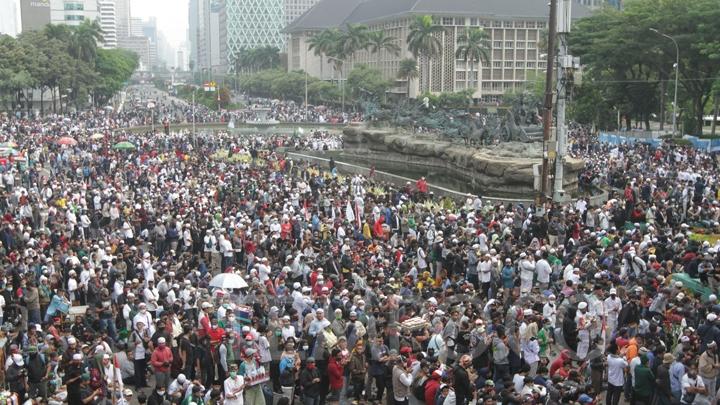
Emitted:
pixel 142 47
pixel 293 9
pixel 34 14
pixel 108 23
pixel 122 16
pixel 218 37
pixel 136 27
pixel 514 27
pixel 199 34
pixel 253 24
pixel 180 61
pixel 9 18
pixel 73 12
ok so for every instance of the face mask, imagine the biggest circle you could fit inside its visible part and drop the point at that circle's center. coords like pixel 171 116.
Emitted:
pixel 231 318
pixel 306 347
pixel 161 393
pixel 233 374
pixel 311 366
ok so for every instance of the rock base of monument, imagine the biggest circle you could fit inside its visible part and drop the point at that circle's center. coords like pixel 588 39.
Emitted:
pixel 510 169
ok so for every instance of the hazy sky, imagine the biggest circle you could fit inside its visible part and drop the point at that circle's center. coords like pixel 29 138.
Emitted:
pixel 172 17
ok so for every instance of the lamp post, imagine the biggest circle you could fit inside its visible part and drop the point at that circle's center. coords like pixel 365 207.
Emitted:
pixel 677 68
pixel 342 83
pixel 306 83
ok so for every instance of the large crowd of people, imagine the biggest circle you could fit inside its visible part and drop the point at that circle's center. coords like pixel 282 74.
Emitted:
pixel 195 278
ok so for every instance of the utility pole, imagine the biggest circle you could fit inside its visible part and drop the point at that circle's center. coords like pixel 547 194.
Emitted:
pixel 306 83
pixel 565 68
pixel 548 105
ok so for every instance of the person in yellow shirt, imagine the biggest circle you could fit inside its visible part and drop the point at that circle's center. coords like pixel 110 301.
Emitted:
pixel 367 234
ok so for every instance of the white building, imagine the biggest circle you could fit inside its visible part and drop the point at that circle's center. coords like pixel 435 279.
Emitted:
pixel 136 27
pixel 514 28
pixel 73 12
pixel 122 17
pixel 108 23
pixel 293 10
pixel 9 17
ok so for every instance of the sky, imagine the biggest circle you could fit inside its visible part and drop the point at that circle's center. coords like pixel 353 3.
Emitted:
pixel 172 17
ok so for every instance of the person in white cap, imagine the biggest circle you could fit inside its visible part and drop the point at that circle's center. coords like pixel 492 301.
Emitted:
pixel 204 319
pixel 527 272
pixel 145 317
pixel 584 324
pixel 708 369
pixel 14 376
pixel 613 305
pixel 550 310
pixel 161 360
pixel 112 374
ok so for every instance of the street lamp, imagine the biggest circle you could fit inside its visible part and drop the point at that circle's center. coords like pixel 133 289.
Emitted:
pixel 342 83
pixel 306 83
pixel 677 68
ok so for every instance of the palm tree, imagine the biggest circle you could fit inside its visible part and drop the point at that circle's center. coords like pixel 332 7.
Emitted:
pixel 61 32
pixel 473 45
pixel 408 70
pixel 379 41
pixel 423 40
pixel 322 44
pixel 84 39
pixel 353 39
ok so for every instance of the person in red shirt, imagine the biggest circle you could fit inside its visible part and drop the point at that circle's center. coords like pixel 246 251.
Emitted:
pixel 336 374
pixel 204 319
pixel 432 386
pixel 558 363
pixel 422 186
pixel 215 333
pixel 161 360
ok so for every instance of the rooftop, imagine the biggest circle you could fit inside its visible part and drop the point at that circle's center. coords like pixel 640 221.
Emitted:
pixel 336 13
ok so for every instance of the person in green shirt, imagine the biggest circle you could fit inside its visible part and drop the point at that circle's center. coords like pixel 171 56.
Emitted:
pixel 543 340
pixel 196 396
pixel 644 382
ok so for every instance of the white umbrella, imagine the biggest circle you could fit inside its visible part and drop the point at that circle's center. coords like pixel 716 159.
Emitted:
pixel 228 281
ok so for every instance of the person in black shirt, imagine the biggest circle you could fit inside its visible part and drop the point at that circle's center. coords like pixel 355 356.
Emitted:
pixel 463 384
pixel 36 373
pixel 186 349
pixel 72 380
pixel 310 382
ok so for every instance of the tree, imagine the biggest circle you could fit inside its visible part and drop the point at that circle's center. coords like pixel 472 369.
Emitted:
pixel 322 44
pixel 353 39
pixel 407 71
pixel 366 83
pixel 423 41
pixel 619 47
pixel 84 39
pixel 379 41
pixel 474 45
pixel 716 105
pixel 114 66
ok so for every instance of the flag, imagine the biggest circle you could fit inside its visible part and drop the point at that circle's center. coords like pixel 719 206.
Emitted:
pixel 357 215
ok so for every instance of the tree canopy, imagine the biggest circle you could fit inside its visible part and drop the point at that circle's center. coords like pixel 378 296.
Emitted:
pixel 64 60
pixel 630 68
